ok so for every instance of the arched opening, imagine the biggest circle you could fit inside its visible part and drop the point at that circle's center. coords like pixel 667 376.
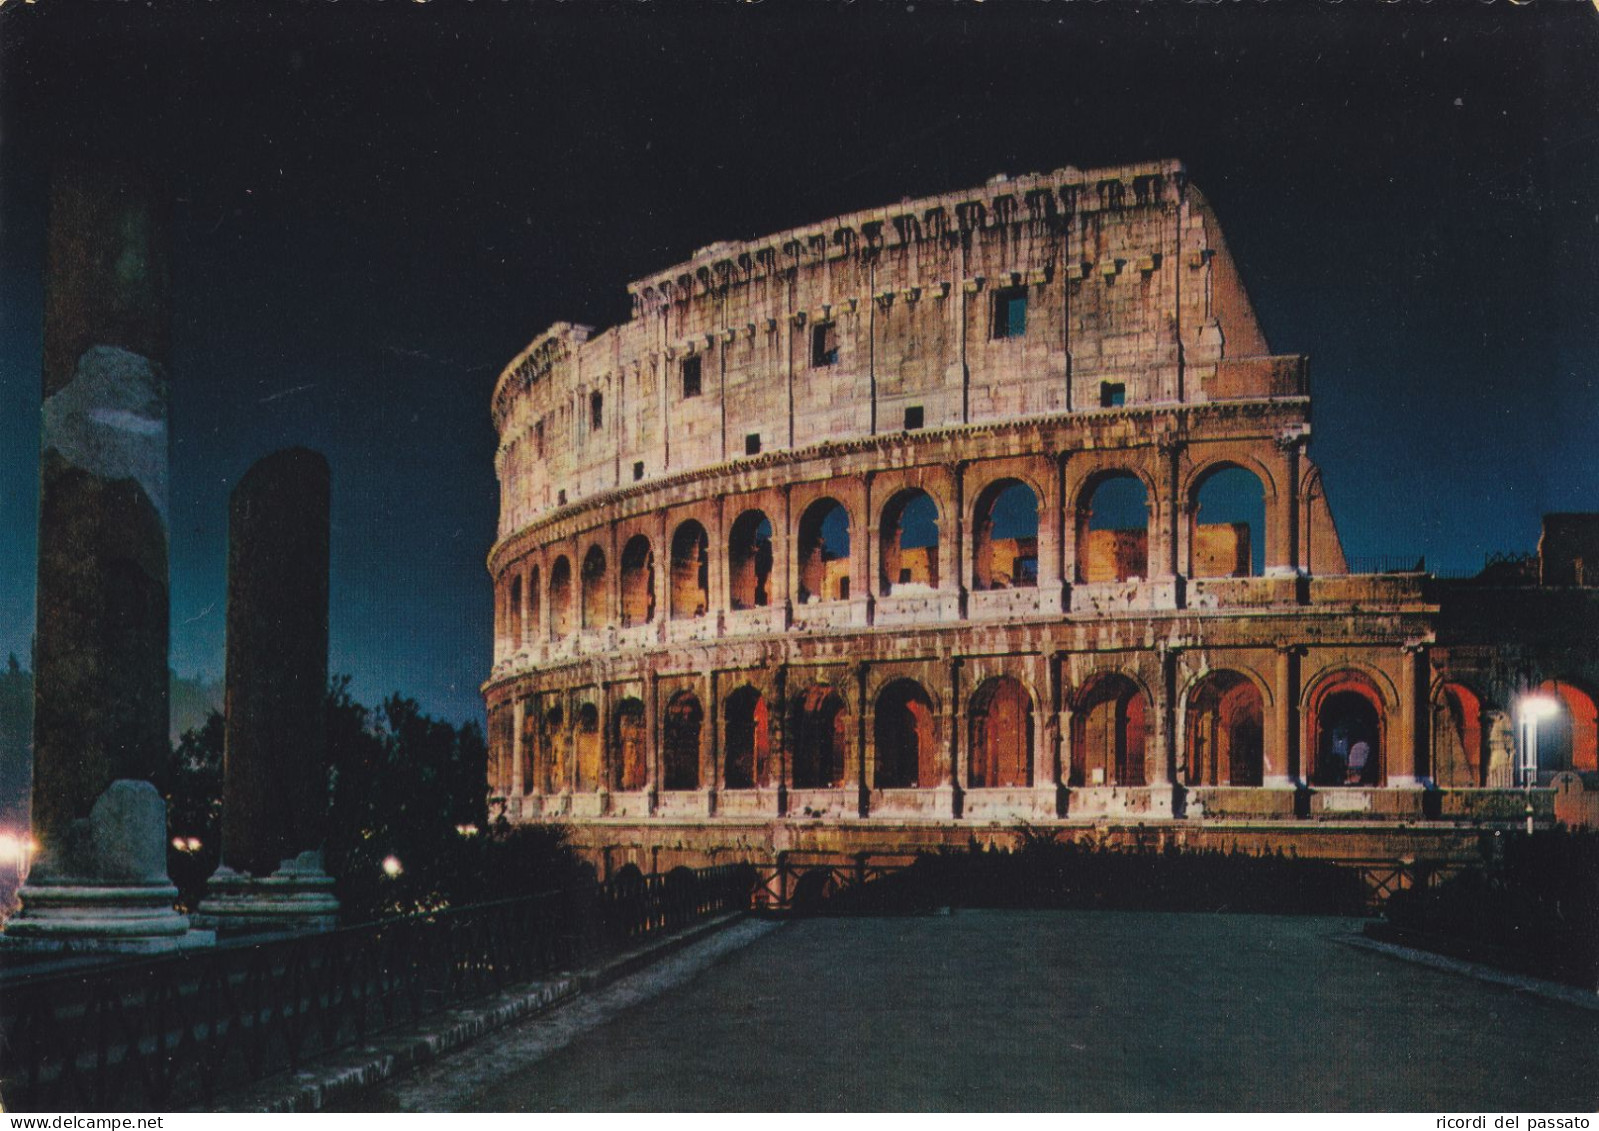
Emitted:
pixel 819 733
pixel 1457 737
pixel 680 742
pixel 532 745
pixel 588 748
pixel 1349 733
pixel 1001 753
pixel 1227 524
pixel 560 598
pixel 1108 741
pixel 1113 529
pixel 749 561
pixel 638 582
pixel 594 588
pixel 1005 537
pixel 1225 730
pixel 1569 738
pixel 909 544
pixel 514 615
pixel 690 571
pixel 824 552
pixel 747 744
pixel 629 767
pixel 552 749
pixel 905 738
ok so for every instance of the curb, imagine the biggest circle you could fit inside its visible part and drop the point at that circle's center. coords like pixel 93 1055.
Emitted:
pixel 340 1076
pixel 1538 987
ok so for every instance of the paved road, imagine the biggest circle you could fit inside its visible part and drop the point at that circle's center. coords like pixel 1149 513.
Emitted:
pixel 1057 1011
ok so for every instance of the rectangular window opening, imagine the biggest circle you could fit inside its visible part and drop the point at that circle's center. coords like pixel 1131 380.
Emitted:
pixel 752 444
pixel 1010 312
pixel 1112 394
pixel 824 344
pixel 638 471
pixel 560 498
pixel 913 418
pixel 691 376
pixel 596 412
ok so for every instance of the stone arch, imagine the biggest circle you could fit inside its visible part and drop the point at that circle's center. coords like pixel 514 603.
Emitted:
pixel 691 590
pixel 1110 732
pixel 905 738
pixel 1001 749
pixel 1238 498
pixel 560 598
pixel 749 561
pixel 819 738
pixel 513 610
pixel 552 748
pixel 1348 728
pixel 593 605
pixel 531 745
pixel 1113 545
pixel 1457 736
pixel 587 762
pixel 1005 535
pixel 908 543
pixel 638 582
pixel 1224 731
pixel 747 740
pixel 1569 740
pixel 629 752
pixel 680 742
pixel 823 549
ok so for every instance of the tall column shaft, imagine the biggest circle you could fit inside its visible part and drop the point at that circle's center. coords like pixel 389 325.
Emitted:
pixel 274 798
pixel 101 710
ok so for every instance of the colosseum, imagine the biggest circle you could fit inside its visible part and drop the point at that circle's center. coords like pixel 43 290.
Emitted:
pixel 981 513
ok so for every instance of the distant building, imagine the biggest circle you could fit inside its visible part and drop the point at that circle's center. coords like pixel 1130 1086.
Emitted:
pixel 826 551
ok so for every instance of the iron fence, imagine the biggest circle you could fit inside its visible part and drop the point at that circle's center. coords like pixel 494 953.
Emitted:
pixel 172 1032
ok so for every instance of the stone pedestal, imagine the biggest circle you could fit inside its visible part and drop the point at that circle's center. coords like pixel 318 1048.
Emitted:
pixel 296 897
pixel 105 888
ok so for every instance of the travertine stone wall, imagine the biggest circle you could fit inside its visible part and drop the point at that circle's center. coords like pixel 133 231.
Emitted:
pixel 1042 335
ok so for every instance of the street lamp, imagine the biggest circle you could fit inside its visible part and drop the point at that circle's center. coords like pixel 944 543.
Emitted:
pixel 1533 708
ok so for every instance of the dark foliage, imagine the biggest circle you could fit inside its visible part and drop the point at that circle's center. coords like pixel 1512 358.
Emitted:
pixel 193 789
pixel 1045 873
pixel 401 784
pixel 1532 907
pixel 414 788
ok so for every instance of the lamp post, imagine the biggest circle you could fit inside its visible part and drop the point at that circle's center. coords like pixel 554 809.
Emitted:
pixel 1533 708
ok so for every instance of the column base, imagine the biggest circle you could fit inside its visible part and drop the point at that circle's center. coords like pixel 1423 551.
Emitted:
pixel 298 897
pixel 75 918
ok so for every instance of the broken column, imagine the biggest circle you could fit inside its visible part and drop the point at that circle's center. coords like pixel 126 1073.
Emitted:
pixel 274 769
pixel 101 712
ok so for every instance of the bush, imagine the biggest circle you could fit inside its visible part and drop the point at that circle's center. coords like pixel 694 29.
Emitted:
pixel 1532 906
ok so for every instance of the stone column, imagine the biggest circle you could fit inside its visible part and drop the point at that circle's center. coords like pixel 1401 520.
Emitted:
pixel 274 768
pixel 100 700
pixel 1280 770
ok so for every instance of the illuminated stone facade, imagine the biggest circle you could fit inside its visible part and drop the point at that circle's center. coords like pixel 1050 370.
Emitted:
pixel 811 554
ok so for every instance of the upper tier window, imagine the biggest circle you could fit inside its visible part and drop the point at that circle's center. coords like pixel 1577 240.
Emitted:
pixel 1010 312
pixel 691 376
pixel 596 412
pixel 824 344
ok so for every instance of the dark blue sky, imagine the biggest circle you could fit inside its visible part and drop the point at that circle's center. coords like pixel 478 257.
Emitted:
pixel 377 206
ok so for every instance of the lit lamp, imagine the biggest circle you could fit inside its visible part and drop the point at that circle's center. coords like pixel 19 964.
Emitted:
pixel 1533 708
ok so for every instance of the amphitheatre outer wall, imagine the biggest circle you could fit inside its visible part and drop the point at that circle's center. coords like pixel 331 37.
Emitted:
pixel 825 552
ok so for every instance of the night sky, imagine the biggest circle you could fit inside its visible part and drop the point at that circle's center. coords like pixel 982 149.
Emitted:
pixel 377 206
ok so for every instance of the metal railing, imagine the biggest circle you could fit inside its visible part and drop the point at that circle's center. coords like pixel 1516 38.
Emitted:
pixel 172 1032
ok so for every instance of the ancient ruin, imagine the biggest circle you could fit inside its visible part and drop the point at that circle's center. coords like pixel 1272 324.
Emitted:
pixel 924 523
pixel 275 765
